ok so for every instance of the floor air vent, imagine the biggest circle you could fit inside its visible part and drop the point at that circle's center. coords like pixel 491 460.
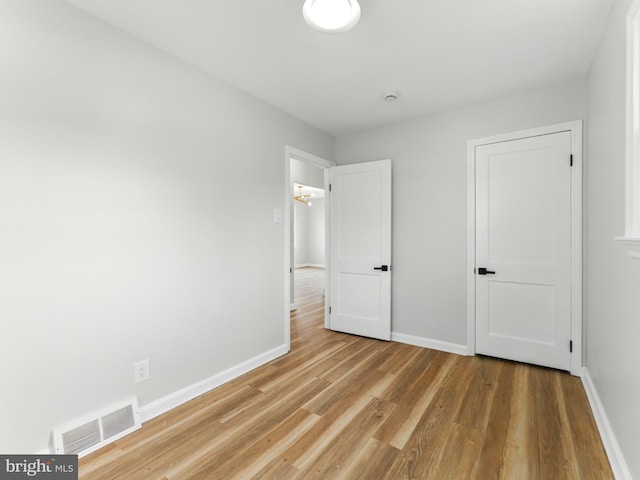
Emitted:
pixel 91 433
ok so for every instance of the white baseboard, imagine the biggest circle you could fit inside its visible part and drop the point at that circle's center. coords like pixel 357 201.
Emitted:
pixel 162 405
pixel 293 307
pixel 316 265
pixel 618 465
pixel 430 343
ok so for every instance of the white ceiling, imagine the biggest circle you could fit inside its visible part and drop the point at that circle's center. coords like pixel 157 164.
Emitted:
pixel 439 54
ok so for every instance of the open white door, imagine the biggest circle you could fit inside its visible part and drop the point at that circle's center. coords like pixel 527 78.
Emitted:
pixel 360 251
pixel 523 249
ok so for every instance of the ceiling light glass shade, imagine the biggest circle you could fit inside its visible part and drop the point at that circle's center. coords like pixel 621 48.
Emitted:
pixel 331 16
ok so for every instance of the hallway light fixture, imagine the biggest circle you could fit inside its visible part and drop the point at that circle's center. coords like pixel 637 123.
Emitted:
pixel 303 198
pixel 331 16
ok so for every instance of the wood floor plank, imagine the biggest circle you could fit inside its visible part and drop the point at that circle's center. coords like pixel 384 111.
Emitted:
pixel 400 356
pixel 551 452
pixel 409 415
pixel 302 369
pixel 459 456
pixel 420 456
pixel 474 415
pixel 520 446
pixel 571 459
pixel 363 373
pixel 434 432
pixel 409 375
pixel 243 429
pixel 374 458
pixel 342 407
pixel 333 421
pixel 491 463
pixel 463 446
pixel 590 454
pixel 337 456
pixel 246 462
pixel 362 349
pixel 277 469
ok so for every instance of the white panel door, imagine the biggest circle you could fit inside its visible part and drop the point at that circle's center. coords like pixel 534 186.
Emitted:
pixel 523 250
pixel 360 249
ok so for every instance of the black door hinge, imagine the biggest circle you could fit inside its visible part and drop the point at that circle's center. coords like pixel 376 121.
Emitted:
pixel 329 310
pixel 570 346
pixel 329 187
pixel 571 160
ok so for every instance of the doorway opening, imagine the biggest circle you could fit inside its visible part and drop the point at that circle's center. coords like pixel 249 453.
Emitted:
pixel 308 226
pixel 306 222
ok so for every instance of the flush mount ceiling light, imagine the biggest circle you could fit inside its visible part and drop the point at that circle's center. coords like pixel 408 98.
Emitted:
pixel 331 16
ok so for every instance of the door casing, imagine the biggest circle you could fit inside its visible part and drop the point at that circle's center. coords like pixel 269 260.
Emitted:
pixel 575 128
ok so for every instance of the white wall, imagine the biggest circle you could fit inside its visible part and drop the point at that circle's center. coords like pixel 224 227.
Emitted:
pixel 316 232
pixel 301 236
pixel 309 233
pixel 429 199
pixel 122 236
pixel 612 285
pixel 306 174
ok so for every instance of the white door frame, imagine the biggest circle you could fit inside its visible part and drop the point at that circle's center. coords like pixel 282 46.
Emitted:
pixel 292 152
pixel 575 128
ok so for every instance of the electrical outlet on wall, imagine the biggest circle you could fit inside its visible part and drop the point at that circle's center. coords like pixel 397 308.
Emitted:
pixel 141 371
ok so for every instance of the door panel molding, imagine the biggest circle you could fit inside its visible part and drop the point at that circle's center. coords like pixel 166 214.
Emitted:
pixel 575 129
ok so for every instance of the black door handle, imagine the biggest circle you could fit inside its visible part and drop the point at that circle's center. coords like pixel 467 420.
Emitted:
pixel 384 268
pixel 484 271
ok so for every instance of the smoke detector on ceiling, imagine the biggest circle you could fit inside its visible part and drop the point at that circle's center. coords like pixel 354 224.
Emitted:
pixel 391 96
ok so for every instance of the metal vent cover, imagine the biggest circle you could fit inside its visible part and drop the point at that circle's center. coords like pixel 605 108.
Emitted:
pixel 82 437
pixel 93 432
pixel 117 422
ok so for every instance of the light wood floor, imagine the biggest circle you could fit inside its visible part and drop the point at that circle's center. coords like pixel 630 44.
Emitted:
pixel 345 407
